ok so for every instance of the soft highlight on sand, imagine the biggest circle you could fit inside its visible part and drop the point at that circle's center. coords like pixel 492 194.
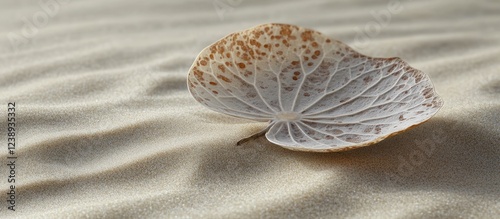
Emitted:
pixel 106 127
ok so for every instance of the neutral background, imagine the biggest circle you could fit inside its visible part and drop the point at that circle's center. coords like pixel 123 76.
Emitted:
pixel 107 128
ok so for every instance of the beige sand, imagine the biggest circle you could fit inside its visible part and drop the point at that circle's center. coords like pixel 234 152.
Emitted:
pixel 107 128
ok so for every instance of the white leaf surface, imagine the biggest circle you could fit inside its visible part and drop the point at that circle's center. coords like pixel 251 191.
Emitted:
pixel 318 94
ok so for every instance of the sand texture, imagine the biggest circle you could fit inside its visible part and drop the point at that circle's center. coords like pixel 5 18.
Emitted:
pixel 106 128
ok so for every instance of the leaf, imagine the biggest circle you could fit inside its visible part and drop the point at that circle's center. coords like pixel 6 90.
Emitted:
pixel 317 93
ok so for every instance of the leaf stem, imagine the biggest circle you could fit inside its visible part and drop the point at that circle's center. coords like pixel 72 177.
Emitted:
pixel 254 136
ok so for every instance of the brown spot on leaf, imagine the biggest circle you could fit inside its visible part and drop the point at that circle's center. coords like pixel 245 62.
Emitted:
pixel 198 74
pixel 337 131
pixel 418 78
pixel 427 93
pixel 222 68
pixel 306 35
pixel 401 118
pixel 285 31
pixel 354 139
pixel 344 100
pixel 391 69
pixel 222 77
pixel 367 79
